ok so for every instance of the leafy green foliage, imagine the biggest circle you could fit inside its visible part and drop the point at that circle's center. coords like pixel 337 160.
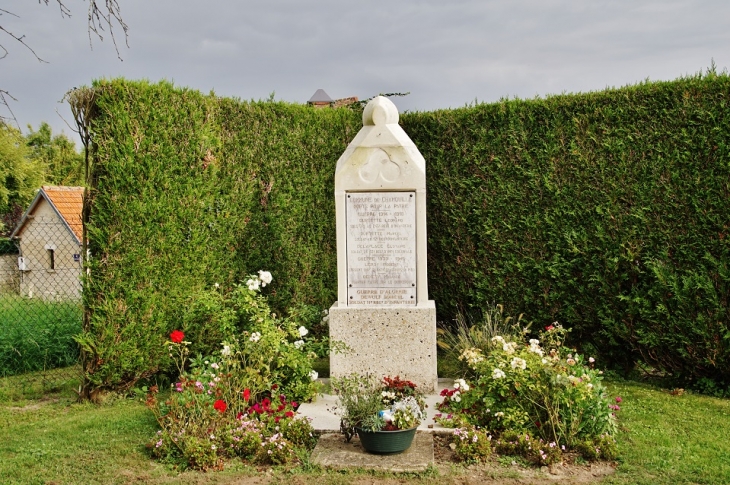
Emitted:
pixel 545 392
pixel 192 190
pixel 464 334
pixel 471 444
pixel 62 163
pixel 20 177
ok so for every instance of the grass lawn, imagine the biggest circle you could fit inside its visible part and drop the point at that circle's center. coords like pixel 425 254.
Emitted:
pixel 47 438
pixel 37 335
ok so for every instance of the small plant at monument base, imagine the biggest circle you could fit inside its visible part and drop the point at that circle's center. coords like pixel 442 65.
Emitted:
pixel 536 400
pixel 471 444
pixel 390 405
pixel 534 450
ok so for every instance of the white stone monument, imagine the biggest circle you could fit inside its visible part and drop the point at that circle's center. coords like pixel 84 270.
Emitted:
pixel 383 314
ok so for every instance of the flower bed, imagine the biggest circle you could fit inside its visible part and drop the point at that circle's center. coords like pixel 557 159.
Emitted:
pixel 534 398
pixel 242 401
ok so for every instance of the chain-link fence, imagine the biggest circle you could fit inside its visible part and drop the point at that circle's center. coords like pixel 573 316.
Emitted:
pixel 40 298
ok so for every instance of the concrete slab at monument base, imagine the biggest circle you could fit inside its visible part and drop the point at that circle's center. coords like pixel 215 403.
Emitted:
pixel 334 452
pixel 386 341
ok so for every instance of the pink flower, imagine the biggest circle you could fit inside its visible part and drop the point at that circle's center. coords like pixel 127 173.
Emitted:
pixel 618 399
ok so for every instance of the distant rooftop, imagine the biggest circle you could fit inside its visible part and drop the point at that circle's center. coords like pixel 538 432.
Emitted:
pixel 320 97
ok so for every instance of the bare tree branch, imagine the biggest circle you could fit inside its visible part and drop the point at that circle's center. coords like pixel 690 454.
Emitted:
pixel 65 12
pixel 19 39
pixel 99 18
pixel 4 95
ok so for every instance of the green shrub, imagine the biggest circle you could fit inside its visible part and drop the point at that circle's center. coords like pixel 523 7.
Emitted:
pixel 546 392
pixel 535 450
pixel 472 445
pixel 242 400
pixel 463 334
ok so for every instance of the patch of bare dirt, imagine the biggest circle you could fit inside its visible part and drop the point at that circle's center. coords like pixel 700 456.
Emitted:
pixel 36 405
pixel 497 471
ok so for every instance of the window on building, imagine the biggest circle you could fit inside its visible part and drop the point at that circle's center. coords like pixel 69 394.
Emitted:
pixel 51 258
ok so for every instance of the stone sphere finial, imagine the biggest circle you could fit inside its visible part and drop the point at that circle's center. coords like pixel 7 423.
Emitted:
pixel 380 111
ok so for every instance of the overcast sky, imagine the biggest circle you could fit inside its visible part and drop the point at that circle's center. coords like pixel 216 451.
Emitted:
pixel 447 53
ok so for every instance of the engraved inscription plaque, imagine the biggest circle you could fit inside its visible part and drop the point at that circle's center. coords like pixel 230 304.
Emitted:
pixel 381 248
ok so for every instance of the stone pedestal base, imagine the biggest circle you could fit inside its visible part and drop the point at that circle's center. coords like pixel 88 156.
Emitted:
pixel 386 342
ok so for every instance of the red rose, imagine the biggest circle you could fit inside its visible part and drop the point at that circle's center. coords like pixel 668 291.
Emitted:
pixel 220 405
pixel 177 336
pixel 289 414
pixel 246 394
pixel 294 404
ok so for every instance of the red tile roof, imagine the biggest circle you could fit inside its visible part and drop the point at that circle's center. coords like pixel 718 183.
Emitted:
pixel 69 202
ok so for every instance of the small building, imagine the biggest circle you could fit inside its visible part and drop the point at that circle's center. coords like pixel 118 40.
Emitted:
pixel 320 99
pixel 50 236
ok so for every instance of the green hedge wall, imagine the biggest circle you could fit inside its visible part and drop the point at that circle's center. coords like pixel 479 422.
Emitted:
pixel 608 212
pixel 605 211
pixel 191 190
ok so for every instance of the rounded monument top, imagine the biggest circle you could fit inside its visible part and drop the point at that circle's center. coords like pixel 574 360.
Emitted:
pixel 380 111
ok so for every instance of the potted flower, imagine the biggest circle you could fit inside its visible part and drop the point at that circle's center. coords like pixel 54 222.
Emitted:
pixel 385 415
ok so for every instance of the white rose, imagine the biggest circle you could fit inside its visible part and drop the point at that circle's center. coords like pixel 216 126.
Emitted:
pixel 255 337
pixel 298 344
pixel 253 284
pixel 518 363
pixel 313 375
pixel 265 277
pixel 509 347
pixel 303 331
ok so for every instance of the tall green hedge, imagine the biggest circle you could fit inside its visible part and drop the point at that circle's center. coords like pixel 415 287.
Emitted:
pixel 605 211
pixel 191 190
pixel 608 212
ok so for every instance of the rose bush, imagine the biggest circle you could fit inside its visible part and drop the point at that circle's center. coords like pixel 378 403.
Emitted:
pixel 241 399
pixel 544 391
pixel 205 419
